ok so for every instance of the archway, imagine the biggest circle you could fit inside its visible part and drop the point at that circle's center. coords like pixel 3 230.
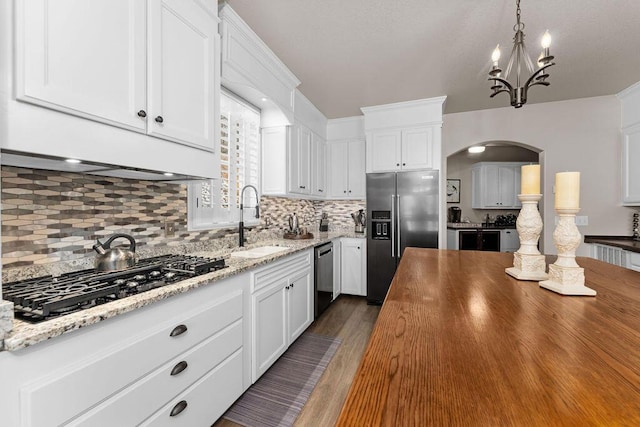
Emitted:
pixel 459 166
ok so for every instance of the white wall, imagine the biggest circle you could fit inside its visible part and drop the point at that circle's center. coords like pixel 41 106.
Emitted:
pixel 577 135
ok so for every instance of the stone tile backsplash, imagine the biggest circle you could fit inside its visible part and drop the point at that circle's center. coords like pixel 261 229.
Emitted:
pixel 50 216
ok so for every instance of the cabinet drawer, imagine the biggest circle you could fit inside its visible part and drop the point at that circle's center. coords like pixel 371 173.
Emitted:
pixel 207 399
pixel 276 271
pixel 133 405
pixel 61 396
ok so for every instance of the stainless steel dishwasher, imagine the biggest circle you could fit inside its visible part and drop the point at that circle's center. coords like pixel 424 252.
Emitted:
pixel 323 283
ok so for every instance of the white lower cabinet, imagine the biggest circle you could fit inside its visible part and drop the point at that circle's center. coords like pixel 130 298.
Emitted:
pixel 282 307
pixel 509 240
pixel 354 266
pixel 136 367
pixel 205 400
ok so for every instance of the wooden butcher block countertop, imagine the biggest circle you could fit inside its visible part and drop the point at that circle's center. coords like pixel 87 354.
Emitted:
pixel 459 342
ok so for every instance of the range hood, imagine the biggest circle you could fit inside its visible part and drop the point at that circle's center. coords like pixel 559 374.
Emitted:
pixel 16 159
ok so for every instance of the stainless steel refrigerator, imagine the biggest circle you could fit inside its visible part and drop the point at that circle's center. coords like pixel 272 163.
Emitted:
pixel 402 208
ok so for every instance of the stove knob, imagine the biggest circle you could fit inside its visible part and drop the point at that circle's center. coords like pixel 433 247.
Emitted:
pixel 132 284
pixel 170 275
pixel 154 274
pixel 119 282
pixel 139 277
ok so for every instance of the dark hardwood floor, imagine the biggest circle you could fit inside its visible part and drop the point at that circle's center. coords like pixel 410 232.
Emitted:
pixel 351 319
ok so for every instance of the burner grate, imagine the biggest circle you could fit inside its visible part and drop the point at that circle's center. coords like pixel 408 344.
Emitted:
pixel 46 297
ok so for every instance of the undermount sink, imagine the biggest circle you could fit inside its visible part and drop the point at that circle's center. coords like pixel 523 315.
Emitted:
pixel 259 252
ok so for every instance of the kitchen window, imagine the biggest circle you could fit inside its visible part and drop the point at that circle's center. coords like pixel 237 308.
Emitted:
pixel 216 203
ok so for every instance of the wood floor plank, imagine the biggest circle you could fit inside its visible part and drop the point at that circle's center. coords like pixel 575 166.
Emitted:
pixel 351 319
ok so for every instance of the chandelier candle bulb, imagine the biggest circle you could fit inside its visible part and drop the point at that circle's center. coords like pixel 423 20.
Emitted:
pixel 568 190
pixel 530 182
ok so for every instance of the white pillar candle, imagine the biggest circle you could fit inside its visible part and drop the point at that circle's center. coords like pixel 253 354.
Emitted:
pixel 530 179
pixel 568 190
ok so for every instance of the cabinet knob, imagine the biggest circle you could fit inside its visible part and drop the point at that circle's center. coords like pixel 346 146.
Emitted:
pixel 180 406
pixel 404 164
pixel 320 190
pixel 159 119
pixel 178 330
pixel 303 187
pixel 181 366
pixel 286 287
pixel 344 191
pixel 397 164
pixel 291 285
pixel 142 113
pixel 358 247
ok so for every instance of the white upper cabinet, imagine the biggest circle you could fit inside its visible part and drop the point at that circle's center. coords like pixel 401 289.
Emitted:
pixel 300 161
pixel 404 136
pixel 630 102
pixel 397 150
pixel 84 58
pixel 181 73
pixel 151 67
pixel 346 178
pixel 318 166
pixel 495 185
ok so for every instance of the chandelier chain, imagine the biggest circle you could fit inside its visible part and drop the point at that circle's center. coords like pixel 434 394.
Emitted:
pixel 519 25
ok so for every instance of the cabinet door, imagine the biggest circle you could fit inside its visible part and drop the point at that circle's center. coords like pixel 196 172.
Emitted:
pixel 385 150
pixel 351 268
pixel 318 182
pixel 507 186
pixel 356 170
pixel 84 58
pixel 417 149
pixel 300 304
pixel 299 153
pixel 509 240
pixel 477 198
pixel 491 193
pixel 630 169
pixel 181 82
pixel 270 327
pixel 338 165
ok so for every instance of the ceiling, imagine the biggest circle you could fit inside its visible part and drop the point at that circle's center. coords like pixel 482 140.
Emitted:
pixel 356 53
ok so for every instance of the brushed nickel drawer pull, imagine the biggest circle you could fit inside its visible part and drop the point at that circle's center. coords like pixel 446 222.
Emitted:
pixel 180 406
pixel 178 330
pixel 181 366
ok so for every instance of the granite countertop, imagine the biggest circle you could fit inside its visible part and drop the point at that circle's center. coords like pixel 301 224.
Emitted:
pixel 477 225
pixel 25 334
pixel 627 243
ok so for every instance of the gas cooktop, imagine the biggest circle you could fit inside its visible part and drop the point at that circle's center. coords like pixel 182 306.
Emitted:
pixel 48 297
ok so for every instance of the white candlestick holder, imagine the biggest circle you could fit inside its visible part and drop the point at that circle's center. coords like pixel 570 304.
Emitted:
pixel 528 262
pixel 566 277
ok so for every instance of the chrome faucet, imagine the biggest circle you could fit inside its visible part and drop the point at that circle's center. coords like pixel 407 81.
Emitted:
pixel 257 207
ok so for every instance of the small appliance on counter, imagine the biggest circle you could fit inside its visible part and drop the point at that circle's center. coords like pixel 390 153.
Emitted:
pixel 455 214
pixel 360 220
pixel 636 220
pixel 324 222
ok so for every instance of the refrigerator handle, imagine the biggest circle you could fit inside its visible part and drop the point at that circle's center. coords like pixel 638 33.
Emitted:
pixel 399 235
pixel 393 225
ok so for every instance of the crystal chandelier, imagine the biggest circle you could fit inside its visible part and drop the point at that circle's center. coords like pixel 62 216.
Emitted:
pixel 519 59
